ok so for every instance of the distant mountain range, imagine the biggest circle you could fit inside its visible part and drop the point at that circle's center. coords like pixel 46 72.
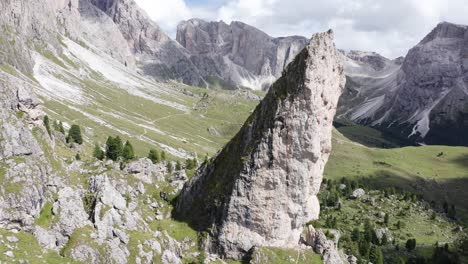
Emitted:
pixel 421 99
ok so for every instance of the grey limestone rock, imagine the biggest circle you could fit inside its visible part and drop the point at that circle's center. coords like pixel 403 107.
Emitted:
pixel 261 189
pixel 238 55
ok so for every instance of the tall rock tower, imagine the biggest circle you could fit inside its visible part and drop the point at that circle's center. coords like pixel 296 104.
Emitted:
pixel 260 189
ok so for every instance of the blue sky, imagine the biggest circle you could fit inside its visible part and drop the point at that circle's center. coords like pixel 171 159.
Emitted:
pixel 387 27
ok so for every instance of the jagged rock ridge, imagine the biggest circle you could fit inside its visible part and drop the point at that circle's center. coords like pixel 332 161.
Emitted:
pixel 237 55
pixel 425 100
pixel 261 188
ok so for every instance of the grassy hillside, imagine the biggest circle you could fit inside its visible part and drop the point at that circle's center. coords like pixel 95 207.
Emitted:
pixel 440 173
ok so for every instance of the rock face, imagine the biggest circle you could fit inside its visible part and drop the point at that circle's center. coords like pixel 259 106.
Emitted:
pixel 424 99
pixel 261 188
pixel 237 55
pixel 158 54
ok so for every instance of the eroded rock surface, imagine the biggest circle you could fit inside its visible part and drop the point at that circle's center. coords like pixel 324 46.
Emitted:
pixel 261 188
pixel 237 55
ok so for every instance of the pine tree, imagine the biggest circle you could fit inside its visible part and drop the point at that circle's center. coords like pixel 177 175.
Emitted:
pixel 153 155
pixel 56 125
pixel 368 231
pixel 78 157
pixel 127 152
pixel 452 213
pixel 98 153
pixel 61 129
pixel 356 235
pixel 47 125
pixel 410 244
pixel 384 240
pixel 113 148
pixel 74 135
pixel 375 255
pixel 386 219
pixel 178 166
pixel 163 155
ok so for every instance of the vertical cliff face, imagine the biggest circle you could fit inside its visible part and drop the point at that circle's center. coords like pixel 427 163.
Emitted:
pixel 237 54
pixel 261 188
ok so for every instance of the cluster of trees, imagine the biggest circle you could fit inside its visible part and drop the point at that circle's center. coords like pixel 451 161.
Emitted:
pixel 57 125
pixel 365 244
pixel 450 211
pixel 155 156
pixel 115 150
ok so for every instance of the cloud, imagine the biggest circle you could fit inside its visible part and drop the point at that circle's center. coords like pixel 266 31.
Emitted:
pixel 388 27
pixel 166 13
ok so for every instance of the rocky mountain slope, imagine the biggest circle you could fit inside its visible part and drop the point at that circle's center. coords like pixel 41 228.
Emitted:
pixel 261 188
pixel 425 99
pixel 237 55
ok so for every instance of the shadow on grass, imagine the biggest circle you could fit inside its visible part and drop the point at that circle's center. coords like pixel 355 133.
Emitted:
pixel 453 191
pixel 368 136
pixel 462 160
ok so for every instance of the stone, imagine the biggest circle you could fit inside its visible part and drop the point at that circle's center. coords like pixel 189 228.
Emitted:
pixel 269 174
pixel 168 257
pixel 321 245
pixel 12 239
pixel 124 238
pixel 144 170
pixel 9 254
pixel 358 193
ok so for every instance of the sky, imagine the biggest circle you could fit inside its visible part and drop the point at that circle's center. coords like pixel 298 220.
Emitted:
pixel 389 27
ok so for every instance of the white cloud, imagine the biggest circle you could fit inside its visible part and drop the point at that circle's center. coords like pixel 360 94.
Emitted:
pixel 167 13
pixel 388 27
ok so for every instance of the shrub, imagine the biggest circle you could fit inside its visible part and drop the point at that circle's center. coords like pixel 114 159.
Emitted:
pixel 153 155
pixel 191 163
pixel 178 166
pixel 169 167
pixel 98 153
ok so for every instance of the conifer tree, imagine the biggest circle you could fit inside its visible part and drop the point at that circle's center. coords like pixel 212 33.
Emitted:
pixel 74 135
pixel 47 124
pixel 163 155
pixel 113 148
pixel 98 153
pixel 178 166
pixel 375 255
pixel 127 151
pixel 153 155
pixel 61 129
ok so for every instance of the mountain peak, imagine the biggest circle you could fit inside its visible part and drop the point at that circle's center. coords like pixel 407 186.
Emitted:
pixel 261 188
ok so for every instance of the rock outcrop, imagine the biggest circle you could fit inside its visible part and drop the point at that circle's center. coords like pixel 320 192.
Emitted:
pixel 261 188
pixel 321 245
pixel 237 55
